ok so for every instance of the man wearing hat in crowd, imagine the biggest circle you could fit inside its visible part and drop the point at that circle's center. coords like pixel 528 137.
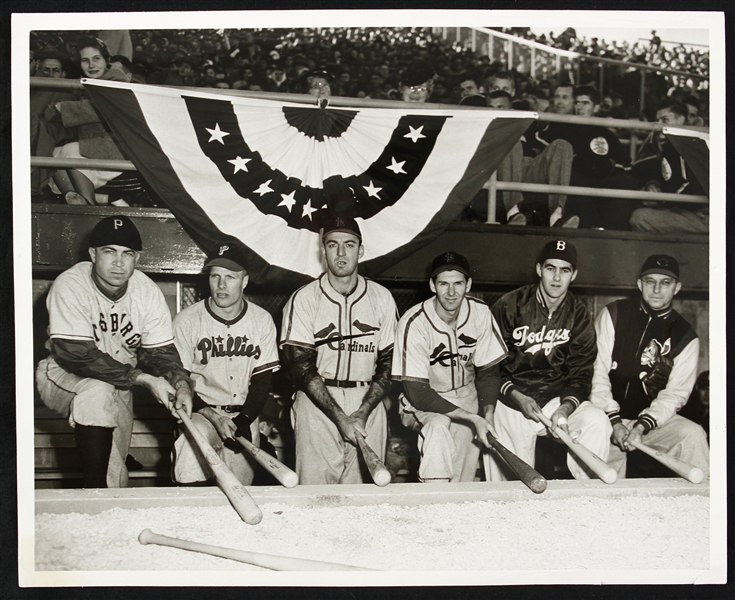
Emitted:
pixel 417 82
pixel 110 330
pixel 446 355
pixel 228 345
pixel 337 341
pixel 551 339
pixel 646 367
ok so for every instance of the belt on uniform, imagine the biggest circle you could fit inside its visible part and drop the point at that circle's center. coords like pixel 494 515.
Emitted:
pixel 230 408
pixel 345 384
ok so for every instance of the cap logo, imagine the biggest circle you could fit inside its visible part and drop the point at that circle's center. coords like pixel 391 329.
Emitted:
pixel 223 249
pixel 662 262
pixel 561 245
pixel 117 223
pixel 339 222
pixel 449 257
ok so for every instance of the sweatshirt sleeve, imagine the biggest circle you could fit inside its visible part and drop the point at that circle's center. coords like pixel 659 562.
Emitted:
pixel 601 387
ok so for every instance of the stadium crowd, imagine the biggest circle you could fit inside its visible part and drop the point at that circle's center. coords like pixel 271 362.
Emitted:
pixel 377 63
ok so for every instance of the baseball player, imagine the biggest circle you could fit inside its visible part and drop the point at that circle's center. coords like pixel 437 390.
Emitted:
pixel 551 339
pixel 109 329
pixel 646 367
pixel 337 340
pixel 229 347
pixel 446 354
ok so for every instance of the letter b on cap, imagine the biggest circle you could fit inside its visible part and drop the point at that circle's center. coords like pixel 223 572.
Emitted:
pixel 561 245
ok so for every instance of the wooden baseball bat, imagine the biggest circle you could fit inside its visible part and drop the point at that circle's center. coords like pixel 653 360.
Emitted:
pixel 381 476
pixel 275 467
pixel 685 470
pixel 226 480
pixel 594 462
pixel 267 561
pixel 526 473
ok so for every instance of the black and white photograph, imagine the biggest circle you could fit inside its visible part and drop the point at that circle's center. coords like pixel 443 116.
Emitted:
pixel 411 297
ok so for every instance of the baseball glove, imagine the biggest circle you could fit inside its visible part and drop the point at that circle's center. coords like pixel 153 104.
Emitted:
pixel 657 379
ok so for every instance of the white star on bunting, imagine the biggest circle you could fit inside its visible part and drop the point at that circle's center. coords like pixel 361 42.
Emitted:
pixel 217 134
pixel 264 188
pixel 396 167
pixel 240 163
pixel 372 190
pixel 288 200
pixel 415 134
pixel 308 210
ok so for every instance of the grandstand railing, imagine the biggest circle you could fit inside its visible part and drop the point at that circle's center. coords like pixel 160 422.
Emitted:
pixel 492 185
pixel 541 61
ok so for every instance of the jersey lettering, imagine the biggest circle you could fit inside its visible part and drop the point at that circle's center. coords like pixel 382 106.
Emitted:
pixel 211 347
pixel 543 339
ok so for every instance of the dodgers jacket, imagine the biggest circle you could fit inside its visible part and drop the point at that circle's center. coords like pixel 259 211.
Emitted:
pixel 550 355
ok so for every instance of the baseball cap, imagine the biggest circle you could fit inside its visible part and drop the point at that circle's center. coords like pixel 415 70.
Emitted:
pixel 474 100
pixel 662 264
pixel 228 256
pixel 118 230
pixel 341 223
pixel 450 261
pixel 560 249
pixel 416 73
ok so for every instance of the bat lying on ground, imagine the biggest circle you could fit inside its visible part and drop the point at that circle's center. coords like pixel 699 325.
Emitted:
pixel 275 467
pixel 381 476
pixel 685 470
pixel 226 480
pixel 267 561
pixel 526 473
pixel 595 463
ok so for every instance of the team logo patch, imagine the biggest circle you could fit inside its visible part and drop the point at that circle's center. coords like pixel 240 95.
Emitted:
pixel 600 146
pixel 653 351
pixel 444 357
pixel 544 339
pixel 666 171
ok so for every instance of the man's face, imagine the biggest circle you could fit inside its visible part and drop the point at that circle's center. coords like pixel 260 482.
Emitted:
pixel 584 106
pixel 692 114
pixel 114 265
pixel 658 290
pixel 226 286
pixel 468 88
pixel 500 103
pixel 318 86
pixel 415 93
pixel 506 85
pixel 51 67
pixel 184 70
pixel 450 288
pixel 93 64
pixel 556 277
pixel 342 250
pixel 668 117
pixel 563 100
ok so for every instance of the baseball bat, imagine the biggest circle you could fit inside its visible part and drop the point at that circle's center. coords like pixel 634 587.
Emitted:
pixel 594 462
pixel 275 467
pixel 685 470
pixel 226 480
pixel 526 473
pixel 381 476
pixel 267 561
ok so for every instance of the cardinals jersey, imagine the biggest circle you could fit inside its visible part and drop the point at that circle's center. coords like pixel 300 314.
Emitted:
pixel 429 350
pixel 347 331
pixel 223 355
pixel 79 311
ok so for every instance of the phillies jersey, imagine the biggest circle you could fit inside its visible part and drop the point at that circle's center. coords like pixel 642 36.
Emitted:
pixel 429 350
pixel 223 355
pixel 346 331
pixel 79 311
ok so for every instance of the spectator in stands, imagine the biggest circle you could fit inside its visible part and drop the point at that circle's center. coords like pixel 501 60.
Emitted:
pixel 468 87
pixel 693 108
pixel 667 171
pixel 78 186
pixel 51 63
pixel 417 82
pixel 121 62
pixel 502 80
pixel 552 166
pixel 600 160
pixel 318 84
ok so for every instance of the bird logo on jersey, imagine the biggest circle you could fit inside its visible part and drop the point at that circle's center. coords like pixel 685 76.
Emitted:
pixel 331 337
pixel 442 356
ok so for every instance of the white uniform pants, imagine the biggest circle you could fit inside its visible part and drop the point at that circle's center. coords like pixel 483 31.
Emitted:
pixel 191 467
pixel 678 437
pixel 518 434
pixel 322 456
pixel 91 402
pixel 447 448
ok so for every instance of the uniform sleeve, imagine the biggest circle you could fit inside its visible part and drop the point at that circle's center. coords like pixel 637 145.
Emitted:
pixel 268 359
pixel 581 358
pixel 678 389
pixel 491 348
pixel 601 387
pixel 298 320
pixel 389 322
pixel 163 361
pixel 504 319
pixel 70 315
pixel 182 327
pixel 157 330
pixel 84 359
pixel 411 350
